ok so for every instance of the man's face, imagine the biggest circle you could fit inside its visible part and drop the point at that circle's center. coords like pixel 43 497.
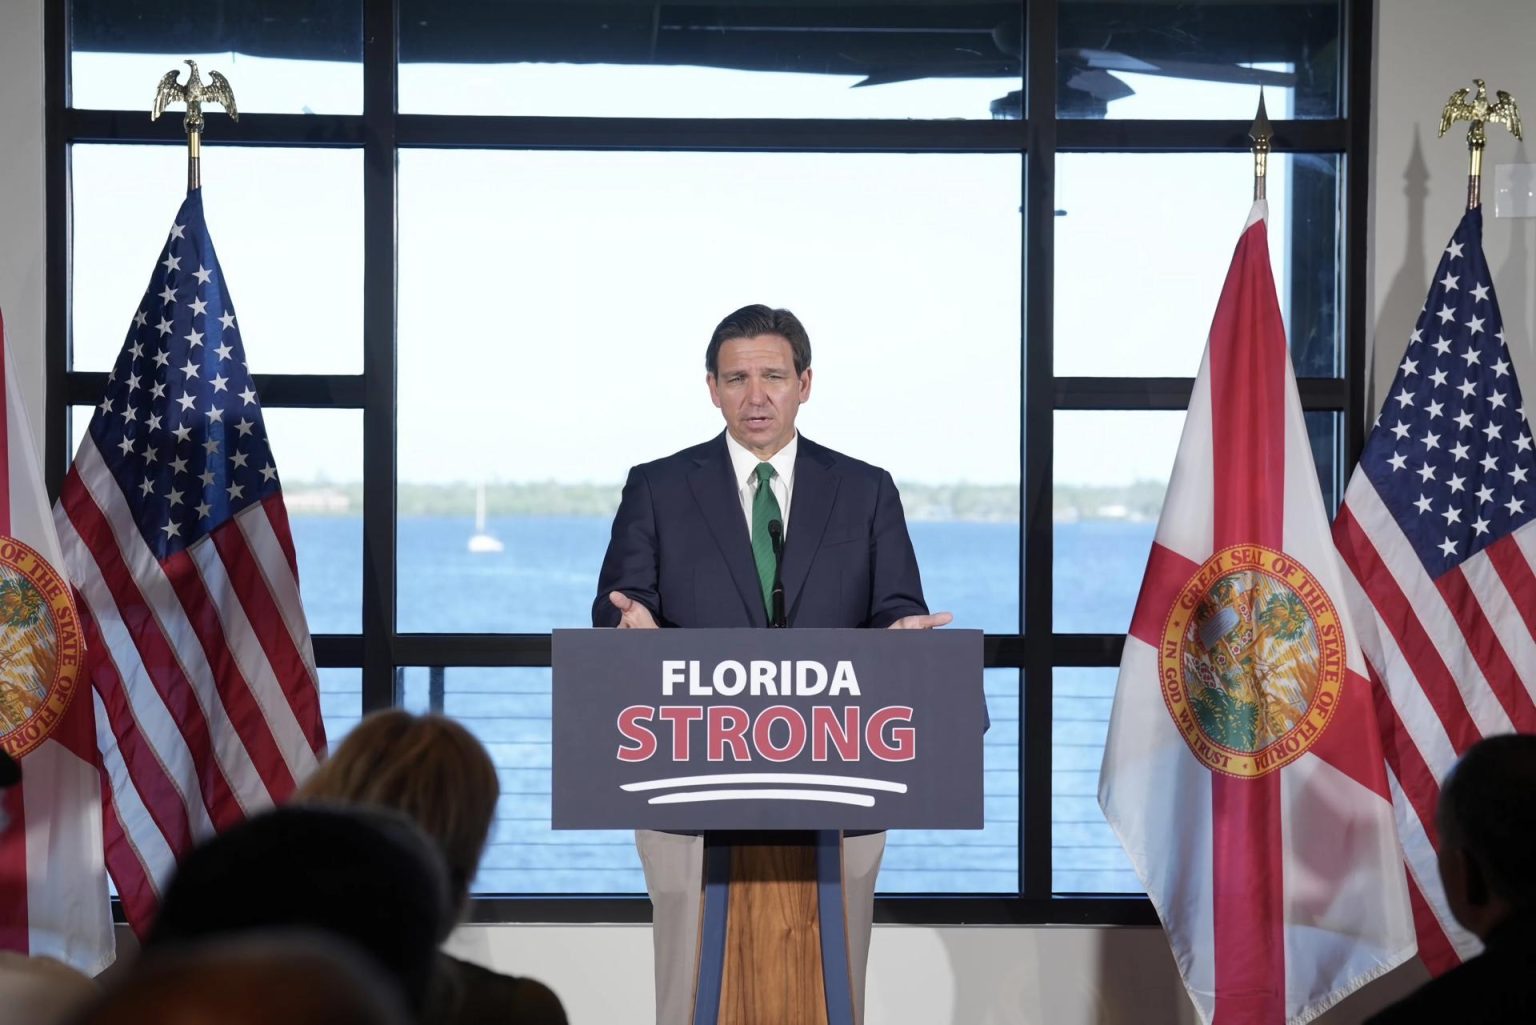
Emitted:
pixel 758 392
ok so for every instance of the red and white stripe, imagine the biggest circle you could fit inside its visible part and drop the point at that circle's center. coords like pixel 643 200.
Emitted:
pixel 53 886
pixel 1453 660
pixel 203 670
pixel 1283 893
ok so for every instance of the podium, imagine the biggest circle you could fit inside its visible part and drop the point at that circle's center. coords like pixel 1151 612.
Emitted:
pixel 773 745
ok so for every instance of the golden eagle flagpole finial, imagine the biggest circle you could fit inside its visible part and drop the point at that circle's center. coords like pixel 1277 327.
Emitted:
pixel 1480 112
pixel 194 94
pixel 1260 133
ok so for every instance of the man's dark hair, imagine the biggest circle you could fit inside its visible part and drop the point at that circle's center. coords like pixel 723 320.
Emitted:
pixel 751 321
pixel 1488 808
pixel 369 877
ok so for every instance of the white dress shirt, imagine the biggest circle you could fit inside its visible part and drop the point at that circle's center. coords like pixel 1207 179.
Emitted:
pixel 744 464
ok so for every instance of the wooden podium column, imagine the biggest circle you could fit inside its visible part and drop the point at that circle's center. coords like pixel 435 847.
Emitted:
pixel 772 969
pixel 773 963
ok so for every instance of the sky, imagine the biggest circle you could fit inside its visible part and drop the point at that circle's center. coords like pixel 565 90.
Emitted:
pixel 553 307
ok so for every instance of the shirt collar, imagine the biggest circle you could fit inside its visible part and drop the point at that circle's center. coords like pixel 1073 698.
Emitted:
pixel 744 463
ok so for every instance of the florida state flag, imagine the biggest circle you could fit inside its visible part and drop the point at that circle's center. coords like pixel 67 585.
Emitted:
pixel 1242 771
pixel 53 884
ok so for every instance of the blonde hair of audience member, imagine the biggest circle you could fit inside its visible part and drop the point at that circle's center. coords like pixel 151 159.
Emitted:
pixel 428 767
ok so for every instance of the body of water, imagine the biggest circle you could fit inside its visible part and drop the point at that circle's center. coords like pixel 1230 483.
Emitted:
pixel 545 578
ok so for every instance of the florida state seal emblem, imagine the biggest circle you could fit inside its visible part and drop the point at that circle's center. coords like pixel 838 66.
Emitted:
pixel 40 647
pixel 1252 660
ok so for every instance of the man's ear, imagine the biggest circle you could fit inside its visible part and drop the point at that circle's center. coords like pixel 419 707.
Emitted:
pixel 805 385
pixel 709 381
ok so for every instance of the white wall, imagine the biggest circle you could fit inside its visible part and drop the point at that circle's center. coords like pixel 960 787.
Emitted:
pixel 977 975
pixel 1426 49
pixel 21 197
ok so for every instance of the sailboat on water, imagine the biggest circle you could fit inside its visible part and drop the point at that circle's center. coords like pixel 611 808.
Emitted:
pixel 481 541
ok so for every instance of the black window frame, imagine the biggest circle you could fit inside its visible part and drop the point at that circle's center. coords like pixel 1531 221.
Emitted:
pixel 380 132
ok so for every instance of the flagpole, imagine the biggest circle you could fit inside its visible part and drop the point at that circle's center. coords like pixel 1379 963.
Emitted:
pixel 1479 112
pixel 194 94
pixel 194 159
pixel 1260 133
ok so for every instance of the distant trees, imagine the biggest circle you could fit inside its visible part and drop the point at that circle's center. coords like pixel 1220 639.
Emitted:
pixel 992 503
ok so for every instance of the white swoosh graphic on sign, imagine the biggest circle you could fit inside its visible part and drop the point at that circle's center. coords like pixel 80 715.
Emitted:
pixel 805 778
pixel 829 796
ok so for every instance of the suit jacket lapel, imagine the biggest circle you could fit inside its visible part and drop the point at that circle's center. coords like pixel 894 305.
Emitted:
pixel 810 506
pixel 714 488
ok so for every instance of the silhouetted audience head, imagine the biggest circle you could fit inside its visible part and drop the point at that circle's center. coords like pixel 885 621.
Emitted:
pixel 432 769
pixel 1487 825
pixel 426 766
pixel 292 978
pixel 40 990
pixel 362 875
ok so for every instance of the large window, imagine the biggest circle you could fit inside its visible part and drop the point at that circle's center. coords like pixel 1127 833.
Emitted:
pixel 477 250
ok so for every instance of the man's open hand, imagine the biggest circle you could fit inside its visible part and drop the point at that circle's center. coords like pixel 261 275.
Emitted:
pixel 634 616
pixel 922 622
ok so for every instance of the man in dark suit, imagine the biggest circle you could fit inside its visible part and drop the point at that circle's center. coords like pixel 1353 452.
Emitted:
pixel 1487 857
pixel 693 546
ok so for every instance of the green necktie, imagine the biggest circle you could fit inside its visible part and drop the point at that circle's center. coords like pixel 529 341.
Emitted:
pixel 765 508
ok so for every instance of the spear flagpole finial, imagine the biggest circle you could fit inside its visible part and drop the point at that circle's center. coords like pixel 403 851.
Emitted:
pixel 1260 133
pixel 194 94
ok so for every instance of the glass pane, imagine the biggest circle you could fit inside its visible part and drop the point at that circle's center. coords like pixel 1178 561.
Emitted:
pixel 288 226
pixel 1107 497
pixel 1327 433
pixel 550 395
pixel 298 57
pixel 1157 231
pixel 322 467
pixel 968 551
pixel 1107 500
pixel 508 710
pixel 962 860
pixel 319 455
pixel 1085 855
pixel 1198 60
pixel 742 59
pixel 341 702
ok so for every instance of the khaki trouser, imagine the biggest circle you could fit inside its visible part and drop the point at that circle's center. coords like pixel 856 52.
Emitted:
pixel 674 877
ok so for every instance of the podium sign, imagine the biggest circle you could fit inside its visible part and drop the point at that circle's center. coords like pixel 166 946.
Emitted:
pixel 768 729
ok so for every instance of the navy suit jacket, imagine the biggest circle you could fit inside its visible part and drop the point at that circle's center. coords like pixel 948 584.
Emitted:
pixel 681 547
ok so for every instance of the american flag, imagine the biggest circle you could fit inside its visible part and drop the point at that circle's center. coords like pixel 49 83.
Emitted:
pixel 176 540
pixel 1436 532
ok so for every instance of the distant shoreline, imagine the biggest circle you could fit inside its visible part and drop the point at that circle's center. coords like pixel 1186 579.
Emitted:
pixel 967 503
